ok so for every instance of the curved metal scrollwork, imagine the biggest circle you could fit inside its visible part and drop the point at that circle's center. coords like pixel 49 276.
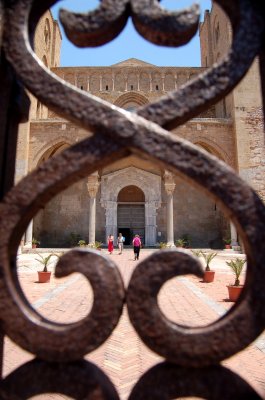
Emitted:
pixel 119 133
pixel 167 382
pixel 79 380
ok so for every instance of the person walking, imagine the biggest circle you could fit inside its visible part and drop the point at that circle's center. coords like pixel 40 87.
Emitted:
pixel 110 244
pixel 136 246
pixel 120 241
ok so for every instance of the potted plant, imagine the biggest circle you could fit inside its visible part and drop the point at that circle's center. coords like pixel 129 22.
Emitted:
pixel 45 275
pixel 197 253
pixel 180 242
pixel 95 245
pixel 74 239
pixel 227 242
pixel 34 243
pixel 208 273
pixel 98 245
pixel 81 243
pixel 187 240
pixel 236 267
pixel 162 245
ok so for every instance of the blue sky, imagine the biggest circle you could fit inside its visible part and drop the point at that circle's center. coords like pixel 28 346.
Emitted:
pixel 129 44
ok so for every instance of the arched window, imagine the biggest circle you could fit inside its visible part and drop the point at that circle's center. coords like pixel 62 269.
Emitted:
pixel 47 34
pixel 217 33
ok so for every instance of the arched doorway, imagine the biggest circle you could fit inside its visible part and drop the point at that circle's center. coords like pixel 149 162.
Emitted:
pixel 131 213
pixel 149 183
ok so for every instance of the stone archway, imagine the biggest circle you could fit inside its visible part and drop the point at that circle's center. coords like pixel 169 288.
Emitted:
pixel 150 184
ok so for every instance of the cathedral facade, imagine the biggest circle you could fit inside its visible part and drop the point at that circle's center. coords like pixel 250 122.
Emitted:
pixel 135 196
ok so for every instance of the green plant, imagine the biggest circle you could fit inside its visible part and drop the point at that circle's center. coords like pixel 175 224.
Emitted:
pixel 227 240
pixel 95 245
pixel 237 267
pixel 81 243
pixel 208 257
pixel 162 245
pixel 187 239
pixel 180 243
pixel 74 239
pixel 45 261
pixel 196 253
pixel 35 241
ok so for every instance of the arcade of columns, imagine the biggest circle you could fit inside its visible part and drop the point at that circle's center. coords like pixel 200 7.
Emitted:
pixel 93 184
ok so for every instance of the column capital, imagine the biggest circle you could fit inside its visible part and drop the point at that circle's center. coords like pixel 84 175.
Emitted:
pixel 93 184
pixel 169 182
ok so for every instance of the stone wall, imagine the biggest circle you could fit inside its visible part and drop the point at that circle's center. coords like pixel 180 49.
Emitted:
pixel 47 46
pixel 243 105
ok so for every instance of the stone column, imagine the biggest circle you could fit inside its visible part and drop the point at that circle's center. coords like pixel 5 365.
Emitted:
pixel 170 187
pixel 150 222
pixel 163 83
pixel 92 187
pixel 176 81
pixel 29 235
pixel 113 82
pixel 233 234
pixel 111 218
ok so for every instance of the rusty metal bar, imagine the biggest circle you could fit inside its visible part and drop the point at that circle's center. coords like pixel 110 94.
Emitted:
pixel 117 135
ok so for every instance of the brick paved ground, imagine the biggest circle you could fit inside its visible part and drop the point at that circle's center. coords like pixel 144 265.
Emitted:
pixel 124 357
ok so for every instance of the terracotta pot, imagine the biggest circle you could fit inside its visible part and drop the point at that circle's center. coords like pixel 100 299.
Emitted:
pixel 234 292
pixel 44 277
pixel 208 276
pixel 228 246
pixel 34 246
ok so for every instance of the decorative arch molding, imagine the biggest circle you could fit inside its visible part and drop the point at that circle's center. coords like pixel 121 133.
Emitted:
pixel 48 149
pixel 131 97
pixel 150 184
pixel 214 149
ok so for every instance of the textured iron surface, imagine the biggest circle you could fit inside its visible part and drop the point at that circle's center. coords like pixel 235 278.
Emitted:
pixel 80 380
pixel 117 134
pixel 167 382
pixel 152 21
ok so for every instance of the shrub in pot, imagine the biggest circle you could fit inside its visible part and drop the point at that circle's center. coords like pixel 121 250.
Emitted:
pixel 81 243
pixel 208 273
pixel 35 243
pixel 227 242
pixel 180 243
pixel 237 268
pixel 95 245
pixel 45 275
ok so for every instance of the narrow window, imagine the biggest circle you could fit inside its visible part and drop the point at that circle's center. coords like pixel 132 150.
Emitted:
pixel 107 87
pixel 157 88
pixel 131 87
pixel 81 87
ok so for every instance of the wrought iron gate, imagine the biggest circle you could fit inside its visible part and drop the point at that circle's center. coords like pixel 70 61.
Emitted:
pixel 192 355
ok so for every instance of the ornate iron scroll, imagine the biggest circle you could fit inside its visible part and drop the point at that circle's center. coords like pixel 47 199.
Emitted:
pixel 119 133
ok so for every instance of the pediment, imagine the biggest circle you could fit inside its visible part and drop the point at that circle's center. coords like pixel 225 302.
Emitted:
pixel 133 62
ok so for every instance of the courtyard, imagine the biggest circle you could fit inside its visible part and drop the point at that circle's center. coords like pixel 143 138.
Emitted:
pixel 123 357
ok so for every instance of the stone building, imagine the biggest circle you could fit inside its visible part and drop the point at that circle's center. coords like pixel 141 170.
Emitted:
pixel 134 195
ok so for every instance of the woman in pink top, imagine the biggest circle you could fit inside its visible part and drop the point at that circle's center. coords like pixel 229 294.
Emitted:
pixel 136 246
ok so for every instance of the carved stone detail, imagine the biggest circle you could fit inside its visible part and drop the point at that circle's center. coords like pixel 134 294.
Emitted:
pixel 93 184
pixel 149 183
